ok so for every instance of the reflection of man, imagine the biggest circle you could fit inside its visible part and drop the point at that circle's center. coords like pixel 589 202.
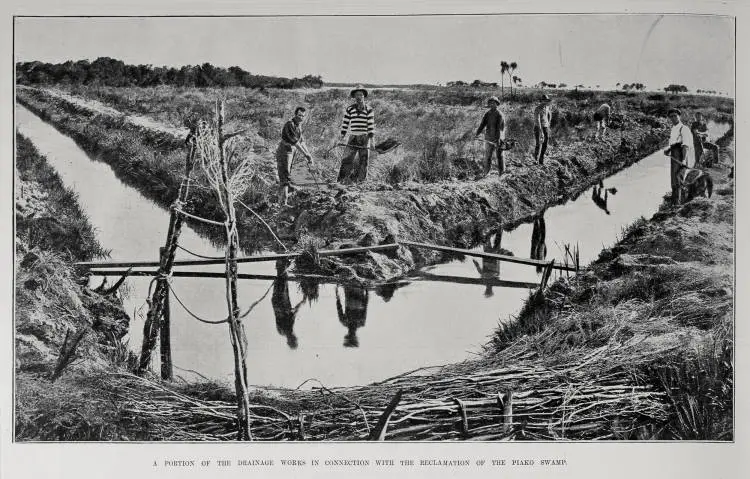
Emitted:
pixel 359 121
pixel 490 268
pixel 539 241
pixel 282 305
pixel 354 312
pixel 596 196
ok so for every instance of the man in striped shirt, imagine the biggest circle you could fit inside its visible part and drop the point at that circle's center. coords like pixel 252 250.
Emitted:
pixel 359 121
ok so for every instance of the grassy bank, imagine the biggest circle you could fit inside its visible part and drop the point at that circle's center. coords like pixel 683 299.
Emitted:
pixel 417 193
pixel 668 287
pixel 51 299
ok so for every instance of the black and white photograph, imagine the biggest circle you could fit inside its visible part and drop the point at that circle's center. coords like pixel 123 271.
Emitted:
pixel 399 228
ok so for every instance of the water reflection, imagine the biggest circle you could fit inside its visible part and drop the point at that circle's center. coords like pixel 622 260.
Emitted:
pixel 489 269
pixel 283 310
pixel 387 290
pixel 354 312
pixel 310 289
pixel 599 200
pixel 539 240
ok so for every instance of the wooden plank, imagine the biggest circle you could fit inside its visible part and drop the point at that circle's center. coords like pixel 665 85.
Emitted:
pixel 416 276
pixel 481 254
pixel 423 276
pixel 242 259
pixel 220 275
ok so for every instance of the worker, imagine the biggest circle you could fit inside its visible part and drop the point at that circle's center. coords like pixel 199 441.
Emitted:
pixel 680 151
pixel 359 122
pixel 699 129
pixel 601 118
pixel 291 138
pixel 493 125
pixel 542 120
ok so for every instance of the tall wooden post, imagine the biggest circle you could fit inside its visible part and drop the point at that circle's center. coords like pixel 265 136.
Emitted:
pixel 236 330
pixel 161 290
pixel 165 340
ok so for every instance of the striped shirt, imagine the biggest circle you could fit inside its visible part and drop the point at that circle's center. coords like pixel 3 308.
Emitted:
pixel 358 121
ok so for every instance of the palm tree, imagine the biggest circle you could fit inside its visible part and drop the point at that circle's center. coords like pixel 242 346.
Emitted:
pixel 511 68
pixel 504 67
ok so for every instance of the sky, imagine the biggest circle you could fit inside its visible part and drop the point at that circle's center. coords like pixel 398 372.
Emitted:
pixel 696 51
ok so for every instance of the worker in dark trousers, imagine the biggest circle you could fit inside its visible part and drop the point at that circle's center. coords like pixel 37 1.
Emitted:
pixel 359 122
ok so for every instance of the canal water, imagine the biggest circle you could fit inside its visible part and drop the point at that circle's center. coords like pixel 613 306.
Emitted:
pixel 337 335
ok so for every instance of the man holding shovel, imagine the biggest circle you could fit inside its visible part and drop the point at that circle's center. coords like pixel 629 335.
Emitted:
pixel 291 138
pixel 679 151
pixel 359 121
pixel 493 125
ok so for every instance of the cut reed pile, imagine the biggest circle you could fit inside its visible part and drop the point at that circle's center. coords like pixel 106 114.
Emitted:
pixel 594 397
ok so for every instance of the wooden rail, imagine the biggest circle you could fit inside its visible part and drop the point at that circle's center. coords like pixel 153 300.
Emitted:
pixel 334 252
pixel 242 259
pixel 423 276
pixel 480 254
pixel 417 276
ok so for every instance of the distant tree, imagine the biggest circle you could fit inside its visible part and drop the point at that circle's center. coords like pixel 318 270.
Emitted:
pixel 511 68
pixel 517 80
pixel 674 88
pixel 562 85
pixel 476 83
pixel 504 67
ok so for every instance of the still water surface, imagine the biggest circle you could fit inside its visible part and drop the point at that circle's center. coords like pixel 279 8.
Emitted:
pixel 340 336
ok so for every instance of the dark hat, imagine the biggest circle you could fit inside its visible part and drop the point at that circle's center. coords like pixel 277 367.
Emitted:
pixel 356 89
pixel 493 98
pixel 674 110
pixel 546 97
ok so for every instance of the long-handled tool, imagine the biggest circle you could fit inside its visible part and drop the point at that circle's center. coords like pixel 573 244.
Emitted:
pixel 381 148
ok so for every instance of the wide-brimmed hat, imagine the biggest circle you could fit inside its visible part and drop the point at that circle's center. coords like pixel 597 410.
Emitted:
pixel 493 98
pixel 546 98
pixel 674 110
pixel 356 89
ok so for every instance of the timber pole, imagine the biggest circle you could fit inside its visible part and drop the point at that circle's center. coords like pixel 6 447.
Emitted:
pixel 158 299
pixel 165 342
pixel 236 329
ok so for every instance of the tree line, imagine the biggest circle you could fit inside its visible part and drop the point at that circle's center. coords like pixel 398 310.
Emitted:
pixel 107 71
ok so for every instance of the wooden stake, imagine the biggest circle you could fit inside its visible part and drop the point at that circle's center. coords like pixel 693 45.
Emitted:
pixel 508 412
pixel 166 261
pixel 378 434
pixel 165 342
pixel 236 331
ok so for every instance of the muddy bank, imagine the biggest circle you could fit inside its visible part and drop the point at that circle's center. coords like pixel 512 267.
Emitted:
pixel 52 299
pixel 448 212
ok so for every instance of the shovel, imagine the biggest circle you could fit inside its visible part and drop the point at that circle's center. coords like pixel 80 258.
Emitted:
pixel 381 148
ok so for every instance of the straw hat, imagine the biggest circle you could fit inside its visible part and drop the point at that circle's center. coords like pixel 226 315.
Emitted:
pixel 356 89
pixel 492 98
